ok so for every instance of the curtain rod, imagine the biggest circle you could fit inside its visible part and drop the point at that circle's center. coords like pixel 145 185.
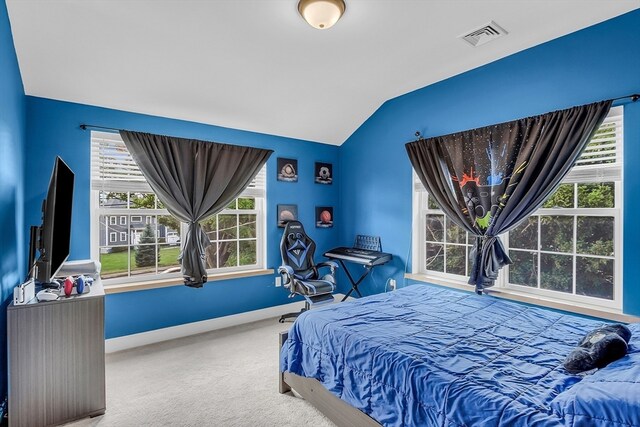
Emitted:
pixel 634 97
pixel 85 127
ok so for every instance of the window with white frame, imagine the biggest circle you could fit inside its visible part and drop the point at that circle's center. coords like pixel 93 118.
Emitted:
pixel 571 248
pixel 152 237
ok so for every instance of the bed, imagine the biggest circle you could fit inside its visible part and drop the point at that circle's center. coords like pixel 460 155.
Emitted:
pixel 430 356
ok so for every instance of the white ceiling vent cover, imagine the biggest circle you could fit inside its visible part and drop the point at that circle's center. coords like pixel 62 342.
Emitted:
pixel 484 34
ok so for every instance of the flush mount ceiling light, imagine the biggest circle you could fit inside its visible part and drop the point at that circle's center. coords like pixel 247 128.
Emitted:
pixel 321 14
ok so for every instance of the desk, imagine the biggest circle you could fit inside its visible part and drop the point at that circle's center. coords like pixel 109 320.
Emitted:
pixel 369 259
pixel 56 359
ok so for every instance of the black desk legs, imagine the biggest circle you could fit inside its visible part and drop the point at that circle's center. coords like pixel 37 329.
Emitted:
pixel 354 284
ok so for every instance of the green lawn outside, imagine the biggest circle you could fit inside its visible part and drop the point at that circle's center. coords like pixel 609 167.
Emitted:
pixel 117 262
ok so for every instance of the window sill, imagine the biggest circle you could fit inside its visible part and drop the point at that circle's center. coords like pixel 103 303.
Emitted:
pixel 176 281
pixel 583 309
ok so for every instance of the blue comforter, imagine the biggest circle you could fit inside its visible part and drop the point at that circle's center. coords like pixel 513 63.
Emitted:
pixel 429 356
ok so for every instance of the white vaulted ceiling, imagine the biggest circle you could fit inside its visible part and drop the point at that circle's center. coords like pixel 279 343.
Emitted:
pixel 256 65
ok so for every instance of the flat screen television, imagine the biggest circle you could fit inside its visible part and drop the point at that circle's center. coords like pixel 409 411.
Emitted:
pixel 55 231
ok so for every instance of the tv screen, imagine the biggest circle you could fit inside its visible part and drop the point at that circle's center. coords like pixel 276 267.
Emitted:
pixel 55 233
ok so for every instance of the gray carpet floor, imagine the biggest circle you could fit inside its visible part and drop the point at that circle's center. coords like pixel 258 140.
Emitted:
pixel 227 377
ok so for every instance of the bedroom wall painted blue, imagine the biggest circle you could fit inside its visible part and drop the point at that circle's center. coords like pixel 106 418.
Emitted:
pixel 593 64
pixel 54 130
pixel 12 147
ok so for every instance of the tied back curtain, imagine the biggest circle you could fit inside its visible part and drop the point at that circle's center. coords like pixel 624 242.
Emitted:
pixel 195 180
pixel 488 180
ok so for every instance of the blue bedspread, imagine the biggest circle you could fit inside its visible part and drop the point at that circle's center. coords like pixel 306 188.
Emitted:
pixel 429 356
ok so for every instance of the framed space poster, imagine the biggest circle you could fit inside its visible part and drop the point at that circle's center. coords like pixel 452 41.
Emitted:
pixel 324 216
pixel 323 173
pixel 287 213
pixel 287 170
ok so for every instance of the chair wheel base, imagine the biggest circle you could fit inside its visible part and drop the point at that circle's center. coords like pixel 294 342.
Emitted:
pixel 291 315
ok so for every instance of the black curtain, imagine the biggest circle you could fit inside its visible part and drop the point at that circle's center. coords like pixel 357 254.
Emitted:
pixel 195 180
pixel 490 179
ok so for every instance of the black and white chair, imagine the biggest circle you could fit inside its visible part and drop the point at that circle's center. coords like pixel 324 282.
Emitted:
pixel 300 273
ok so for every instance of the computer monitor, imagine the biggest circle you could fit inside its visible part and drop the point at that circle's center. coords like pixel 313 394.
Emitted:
pixel 55 231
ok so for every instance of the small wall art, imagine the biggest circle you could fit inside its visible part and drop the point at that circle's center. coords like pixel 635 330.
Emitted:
pixel 287 170
pixel 287 213
pixel 324 173
pixel 324 216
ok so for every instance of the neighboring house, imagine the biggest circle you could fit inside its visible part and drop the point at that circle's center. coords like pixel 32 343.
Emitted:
pixel 125 230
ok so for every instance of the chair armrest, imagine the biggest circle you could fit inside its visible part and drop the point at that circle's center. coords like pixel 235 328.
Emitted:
pixel 285 269
pixel 331 264
pixel 287 277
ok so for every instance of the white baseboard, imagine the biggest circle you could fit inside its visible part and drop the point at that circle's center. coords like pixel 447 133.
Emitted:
pixel 126 342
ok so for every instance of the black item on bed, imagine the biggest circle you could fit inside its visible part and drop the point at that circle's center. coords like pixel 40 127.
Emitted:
pixel 599 348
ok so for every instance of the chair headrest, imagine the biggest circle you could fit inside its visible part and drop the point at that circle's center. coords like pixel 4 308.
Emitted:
pixel 297 248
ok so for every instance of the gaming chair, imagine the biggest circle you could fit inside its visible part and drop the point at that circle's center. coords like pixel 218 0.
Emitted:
pixel 299 272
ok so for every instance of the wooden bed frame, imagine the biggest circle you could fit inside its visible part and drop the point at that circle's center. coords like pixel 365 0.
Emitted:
pixel 312 390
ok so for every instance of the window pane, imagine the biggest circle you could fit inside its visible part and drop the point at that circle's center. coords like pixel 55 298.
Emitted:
pixel 431 203
pixel 456 259
pixel 556 272
pixel 595 235
pixel 143 258
pixel 144 234
pixel 110 231
pixel 524 270
pixel 212 255
pixel 169 230
pixel 142 201
pixel 594 277
pixel 455 233
pixel 435 228
pixel 227 227
pixel 232 205
pixel 596 195
pixel 562 198
pixel 114 262
pixel 248 252
pixel 247 226
pixel 210 226
pixel 109 199
pixel 556 233
pixel 246 203
pixel 168 262
pixel 435 257
pixel 525 236
pixel 228 254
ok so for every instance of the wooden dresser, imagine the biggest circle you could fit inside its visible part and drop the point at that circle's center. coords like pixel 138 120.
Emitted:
pixel 56 359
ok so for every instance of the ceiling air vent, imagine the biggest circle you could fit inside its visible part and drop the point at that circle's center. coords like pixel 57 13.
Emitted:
pixel 484 34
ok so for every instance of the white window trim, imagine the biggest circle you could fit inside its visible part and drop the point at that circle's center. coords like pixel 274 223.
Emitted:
pixel 113 220
pixel 136 216
pixel 123 220
pixel 579 174
pixel 123 236
pixel 259 195
pixel 113 237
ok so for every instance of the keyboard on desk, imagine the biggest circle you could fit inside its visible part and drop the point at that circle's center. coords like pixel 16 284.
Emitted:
pixel 360 256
